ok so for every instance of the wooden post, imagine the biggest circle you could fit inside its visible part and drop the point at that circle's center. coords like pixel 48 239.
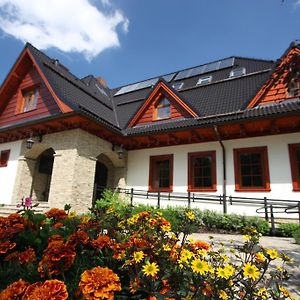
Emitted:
pixel 266 209
pixel 224 204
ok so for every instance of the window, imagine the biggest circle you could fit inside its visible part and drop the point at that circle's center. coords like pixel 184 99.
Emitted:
pixel 251 169
pixel 237 72
pixel 161 173
pixel 4 157
pixel 294 87
pixel 204 80
pixel 202 171
pixel 163 109
pixel 177 85
pixel 29 100
pixel 294 151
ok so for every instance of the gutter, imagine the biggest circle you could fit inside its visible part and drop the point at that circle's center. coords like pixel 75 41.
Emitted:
pixel 218 136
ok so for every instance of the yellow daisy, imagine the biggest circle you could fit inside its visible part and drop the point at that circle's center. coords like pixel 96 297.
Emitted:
pixel 251 271
pixel 150 269
pixel 138 256
pixel 273 253
pixel 200 266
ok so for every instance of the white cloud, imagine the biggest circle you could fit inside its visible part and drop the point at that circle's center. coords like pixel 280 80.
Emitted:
pixel 69 25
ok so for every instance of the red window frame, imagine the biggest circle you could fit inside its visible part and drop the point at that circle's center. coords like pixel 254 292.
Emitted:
pixel 294 166
pixel 4 157
pixel 191 172
pixel 264 165
pixel 154 176
pixel 25 106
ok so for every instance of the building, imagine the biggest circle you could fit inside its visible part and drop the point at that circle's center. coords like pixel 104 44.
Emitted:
pixel 229 127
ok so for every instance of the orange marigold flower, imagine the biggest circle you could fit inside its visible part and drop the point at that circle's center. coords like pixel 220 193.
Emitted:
pixel 14 291
pixel 101 241
pixel 79 237
pixel 99 283
pixel 27 256
pixel 58 225
pixel 55 237
pixel 200 245
pixel 6 246
pixel 50 289
pixel 57 257
pixel 57 214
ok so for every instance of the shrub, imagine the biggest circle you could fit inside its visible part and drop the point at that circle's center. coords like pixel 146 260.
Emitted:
pixel 296 235
pixel 106 256
pixel 286 229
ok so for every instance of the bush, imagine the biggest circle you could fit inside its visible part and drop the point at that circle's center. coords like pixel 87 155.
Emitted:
pixel 286 229
pixel 296 235
pixel 104 255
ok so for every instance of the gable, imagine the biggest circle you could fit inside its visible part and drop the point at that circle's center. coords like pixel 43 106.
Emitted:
pixel 281 85
pixel 148 112
pixel 13 110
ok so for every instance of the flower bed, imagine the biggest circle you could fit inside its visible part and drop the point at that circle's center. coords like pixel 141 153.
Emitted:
pixel 59 255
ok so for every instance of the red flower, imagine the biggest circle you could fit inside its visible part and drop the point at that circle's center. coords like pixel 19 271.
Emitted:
pixel 6 246
pixel 57 214
pixel 14 291
pixel 102 241
pixel 79 237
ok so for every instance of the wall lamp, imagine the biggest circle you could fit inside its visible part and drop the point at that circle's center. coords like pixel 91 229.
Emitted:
pixel 119 150
pixel 30 141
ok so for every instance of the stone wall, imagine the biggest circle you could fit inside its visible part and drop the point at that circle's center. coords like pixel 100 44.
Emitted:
pixel 76 153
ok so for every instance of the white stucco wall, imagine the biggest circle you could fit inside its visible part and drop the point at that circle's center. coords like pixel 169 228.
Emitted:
pixel 279 168
pixel 8 174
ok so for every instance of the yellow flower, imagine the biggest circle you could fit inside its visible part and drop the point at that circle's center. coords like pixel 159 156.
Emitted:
pixel 259 257
pixel 251 271
pixel 279 268
pixel 285 292
pixel 133 219
pixel 273 253
pixel 190 215
pixel 186 255
pixel 246 237
pixel 150 269
pixel 225 272
pixel 202 252
pixel 166 247
pixel 223 295
pixel 85 219
pixel 200 266
pixel 72 214
pixel 138 256
pixel 166 228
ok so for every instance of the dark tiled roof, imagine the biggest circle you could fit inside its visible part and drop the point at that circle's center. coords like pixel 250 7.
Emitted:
pixel 223 100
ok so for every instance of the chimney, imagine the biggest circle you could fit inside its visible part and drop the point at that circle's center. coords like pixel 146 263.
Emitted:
pixel 102 81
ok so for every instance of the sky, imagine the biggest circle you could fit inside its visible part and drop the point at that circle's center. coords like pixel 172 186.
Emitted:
pixel 126 41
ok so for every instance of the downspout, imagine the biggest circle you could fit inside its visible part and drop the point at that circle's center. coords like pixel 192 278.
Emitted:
pixel 218 136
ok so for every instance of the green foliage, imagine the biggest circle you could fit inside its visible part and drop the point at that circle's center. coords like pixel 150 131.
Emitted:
pixel 286 229
pixel 296 235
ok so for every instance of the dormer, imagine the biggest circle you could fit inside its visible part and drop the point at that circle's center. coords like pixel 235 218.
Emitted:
pixel 162 104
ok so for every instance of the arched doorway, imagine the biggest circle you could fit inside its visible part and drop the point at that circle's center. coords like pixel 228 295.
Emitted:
pixel 103 176
pixel 42 175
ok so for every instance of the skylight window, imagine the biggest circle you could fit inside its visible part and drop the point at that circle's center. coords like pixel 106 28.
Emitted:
pixel 237 72
pixel 177 85
pixel 204 80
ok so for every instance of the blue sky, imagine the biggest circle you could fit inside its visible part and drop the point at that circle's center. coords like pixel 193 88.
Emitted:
pixel 130 40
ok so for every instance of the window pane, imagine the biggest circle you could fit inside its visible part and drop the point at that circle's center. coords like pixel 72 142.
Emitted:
pixel 201 171
pixel 162 174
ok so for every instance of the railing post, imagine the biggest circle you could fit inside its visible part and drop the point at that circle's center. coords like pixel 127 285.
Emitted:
pixel 266 209
pixel 224 204
pixel 272 220
pixel 131 196
pixel 158 199
pixel 230 200
pixel 299 211
pixel 189 199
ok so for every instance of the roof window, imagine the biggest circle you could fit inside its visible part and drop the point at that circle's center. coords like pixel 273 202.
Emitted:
pixel 294 87
pixel 177 85
pixel 204 80
pixel 237 72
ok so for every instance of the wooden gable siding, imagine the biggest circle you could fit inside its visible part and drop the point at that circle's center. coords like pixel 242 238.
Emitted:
pixel 276 88
pixel 46 105
pixel 176 113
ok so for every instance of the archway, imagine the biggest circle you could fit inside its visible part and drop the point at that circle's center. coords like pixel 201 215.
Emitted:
pixel 41 179
pixel 104 176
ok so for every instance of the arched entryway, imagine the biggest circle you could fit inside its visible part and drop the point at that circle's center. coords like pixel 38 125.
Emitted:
pixel 41 180
pixel 104 176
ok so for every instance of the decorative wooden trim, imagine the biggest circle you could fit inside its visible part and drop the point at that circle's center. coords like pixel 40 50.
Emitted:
pixel 154 159
pixel 63 107
pixel 21 100
pixel 265 169
pixel 192 155
pixel 153 97
pixel 4 158
pixel 293 162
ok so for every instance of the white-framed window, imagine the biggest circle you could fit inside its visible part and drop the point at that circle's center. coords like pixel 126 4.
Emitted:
pixel 177 85
pixel 204 80
pixel 294 87
pixel 237 72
